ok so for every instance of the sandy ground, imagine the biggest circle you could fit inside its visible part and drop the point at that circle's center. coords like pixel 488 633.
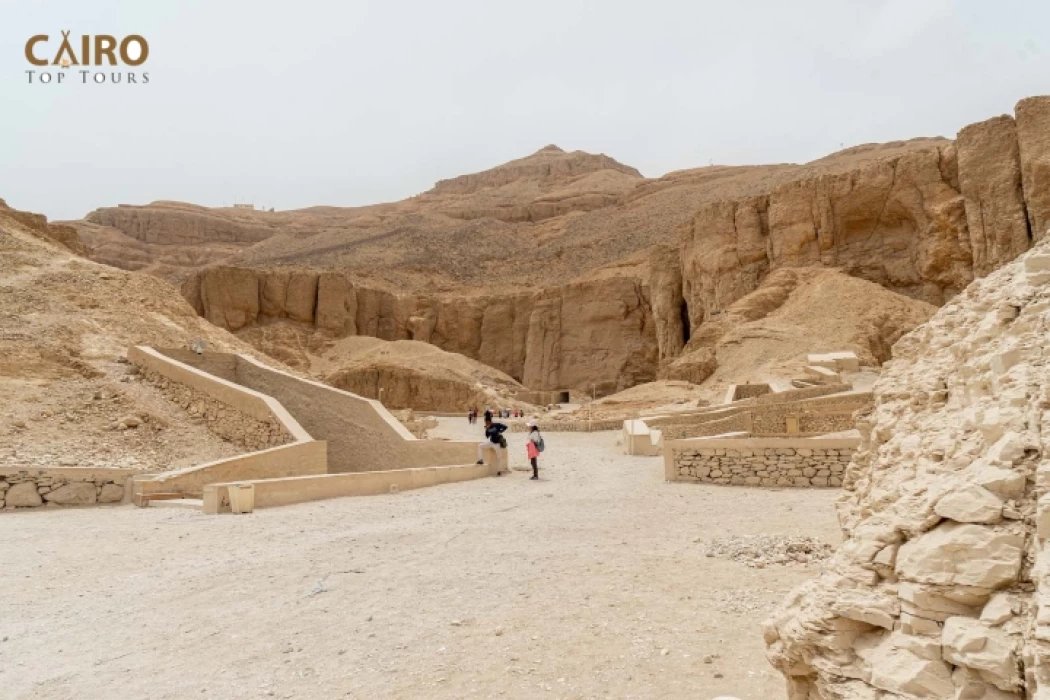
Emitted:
pixel 589 583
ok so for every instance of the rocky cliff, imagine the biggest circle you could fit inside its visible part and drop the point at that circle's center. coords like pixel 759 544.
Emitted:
pixel 940 589
pixel 587 333
pixel 569 269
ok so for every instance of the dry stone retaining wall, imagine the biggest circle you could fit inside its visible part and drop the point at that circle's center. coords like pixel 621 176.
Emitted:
pixel 802 462
pixel 222 419
pixel 31 488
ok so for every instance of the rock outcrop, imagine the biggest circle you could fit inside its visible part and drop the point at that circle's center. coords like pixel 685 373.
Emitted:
pixel 596 332
pixel 941 586
pixel 566 270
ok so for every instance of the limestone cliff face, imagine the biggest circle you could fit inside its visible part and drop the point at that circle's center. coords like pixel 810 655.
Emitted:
pixel 923 222
pixel 662 258
pixel 592 333
pixel 940 589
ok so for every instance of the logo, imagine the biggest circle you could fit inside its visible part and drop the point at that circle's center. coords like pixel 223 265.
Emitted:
pixel 91 56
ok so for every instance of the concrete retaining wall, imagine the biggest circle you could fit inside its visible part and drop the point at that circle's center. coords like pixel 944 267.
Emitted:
pixel 31 488
pixel 270 493
pixel 295 459
pixel 802 462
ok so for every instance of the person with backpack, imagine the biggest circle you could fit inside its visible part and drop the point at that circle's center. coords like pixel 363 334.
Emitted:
pixel 533 446
pixel 494 440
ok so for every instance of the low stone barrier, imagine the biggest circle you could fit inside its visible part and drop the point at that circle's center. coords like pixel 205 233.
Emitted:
pixel 567 426
pixel 31 488
pixel 802 462
pixel 271 493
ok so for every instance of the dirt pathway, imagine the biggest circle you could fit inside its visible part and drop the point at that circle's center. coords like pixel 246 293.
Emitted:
pixel 586 584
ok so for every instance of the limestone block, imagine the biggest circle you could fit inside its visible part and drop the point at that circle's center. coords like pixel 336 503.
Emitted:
pixel 927 598
pixel 915 625
pixel 77 494
pixel 958 553
pixel 970 504
pixel 999 609
pixel 1004 483
pixel 1007 450
pixel 970 686
pixel 968 642
pixel 111 493
pixel 23 495
pixel 899 665
pixel 1003 361
pixel 819 481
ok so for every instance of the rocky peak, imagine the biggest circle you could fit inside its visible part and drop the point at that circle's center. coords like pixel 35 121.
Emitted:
pixel 549 165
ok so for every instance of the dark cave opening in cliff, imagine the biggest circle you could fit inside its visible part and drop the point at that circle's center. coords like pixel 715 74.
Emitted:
pixel 683 311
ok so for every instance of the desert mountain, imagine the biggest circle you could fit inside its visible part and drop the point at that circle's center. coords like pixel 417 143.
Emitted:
pixel 570 270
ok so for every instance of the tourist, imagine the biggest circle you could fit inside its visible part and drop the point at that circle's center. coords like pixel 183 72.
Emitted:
pixel 533 447
pixel 488 415
pixel 494 440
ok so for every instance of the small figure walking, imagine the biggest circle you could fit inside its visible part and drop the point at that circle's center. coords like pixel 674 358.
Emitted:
pixel 533 447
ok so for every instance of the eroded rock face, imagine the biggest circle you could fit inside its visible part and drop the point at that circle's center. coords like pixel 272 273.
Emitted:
pixel 593 333
pixel 990 180
pixel 942 584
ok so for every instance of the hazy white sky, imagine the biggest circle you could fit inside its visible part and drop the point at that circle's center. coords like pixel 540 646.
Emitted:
pixel 291 104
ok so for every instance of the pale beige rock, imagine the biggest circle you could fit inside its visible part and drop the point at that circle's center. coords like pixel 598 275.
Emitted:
pixel 23 495
pixel 75 494
pixel 956 553
pixel 1004 483
pixel 968 642
pixel 970 504
pixel 908 665
pixel 999 609
pixel 111 493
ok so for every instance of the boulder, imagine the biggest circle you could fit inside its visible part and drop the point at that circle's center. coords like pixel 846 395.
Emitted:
pixel 970 504
pixel 907 665
pixel 968 642
pixel 76 494
pixel 23 495
pixel 111 493
pixel 965 554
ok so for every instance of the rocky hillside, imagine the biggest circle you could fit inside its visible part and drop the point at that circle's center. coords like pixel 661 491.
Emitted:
pixel 940 589
pixel 568 269
pixel 65 324
pixel 402 373
pixel 766 335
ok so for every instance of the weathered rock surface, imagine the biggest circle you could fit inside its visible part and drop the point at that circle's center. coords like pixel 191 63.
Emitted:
pixel 496 265
pixel 23 495
pixel 76 494
pixel 990 181
pixel 595 332
pixel 950 479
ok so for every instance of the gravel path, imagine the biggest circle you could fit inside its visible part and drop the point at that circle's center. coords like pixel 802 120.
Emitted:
pixel 589 583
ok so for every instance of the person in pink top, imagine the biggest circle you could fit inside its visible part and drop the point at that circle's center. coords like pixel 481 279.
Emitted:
pixel 533 447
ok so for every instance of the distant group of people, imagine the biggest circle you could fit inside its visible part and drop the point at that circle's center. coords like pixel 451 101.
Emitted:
pixel 472 414
pixel 494 439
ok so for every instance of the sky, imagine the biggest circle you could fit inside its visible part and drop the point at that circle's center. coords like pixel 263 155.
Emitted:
pixel 295 104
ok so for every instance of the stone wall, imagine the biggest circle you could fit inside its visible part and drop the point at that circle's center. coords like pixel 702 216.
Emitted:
pixel 803 462
pixel 739 392
pixel 30 488
pixel 222 419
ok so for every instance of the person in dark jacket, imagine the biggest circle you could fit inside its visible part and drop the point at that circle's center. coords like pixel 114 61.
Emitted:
pixel 494 440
